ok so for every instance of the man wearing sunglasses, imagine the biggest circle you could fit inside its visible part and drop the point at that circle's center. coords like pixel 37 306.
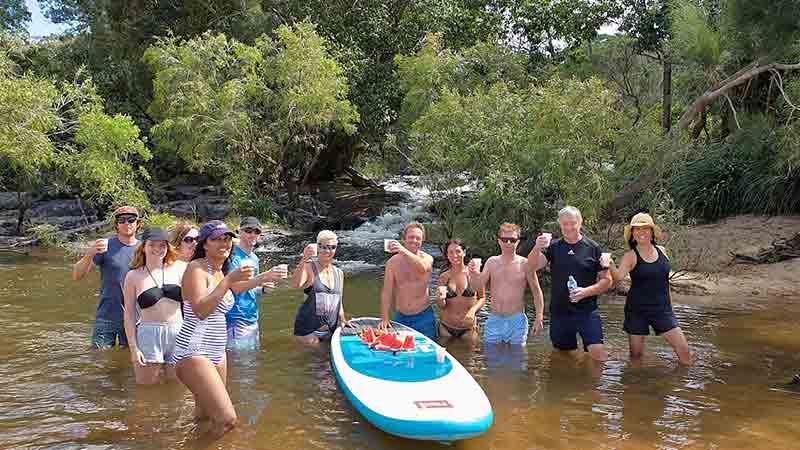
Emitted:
pixel 508 276
pixel 242 318
pixel 113 257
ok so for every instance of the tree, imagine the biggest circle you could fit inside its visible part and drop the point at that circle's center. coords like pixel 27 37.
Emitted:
pixel 14 15
pixel 259 111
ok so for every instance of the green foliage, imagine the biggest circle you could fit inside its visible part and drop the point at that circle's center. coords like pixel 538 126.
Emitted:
pixel 740 175
pixel 103 164
pixel 260 110
pixel 47 234
pixel 694 39
pixel 162 220
pixel 14 15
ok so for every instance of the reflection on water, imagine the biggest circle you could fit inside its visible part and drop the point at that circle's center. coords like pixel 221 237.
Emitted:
pixel 58 395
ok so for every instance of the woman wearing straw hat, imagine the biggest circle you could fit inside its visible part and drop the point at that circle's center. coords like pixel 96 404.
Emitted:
pixel 649 302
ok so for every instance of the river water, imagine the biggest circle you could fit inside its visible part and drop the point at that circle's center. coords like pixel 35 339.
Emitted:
pixel 56 394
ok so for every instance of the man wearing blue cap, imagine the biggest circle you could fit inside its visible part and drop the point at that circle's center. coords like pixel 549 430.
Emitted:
pixel 242 319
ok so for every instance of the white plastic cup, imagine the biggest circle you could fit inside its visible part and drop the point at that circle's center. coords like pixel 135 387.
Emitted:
pixel 284 268
pixel 248 264
pixel 440 353
pixel 605 259
pixel 441 290
pixel 314 249
pixel 386 244
pixel 477 263
pixel 549 237
pixel 103 245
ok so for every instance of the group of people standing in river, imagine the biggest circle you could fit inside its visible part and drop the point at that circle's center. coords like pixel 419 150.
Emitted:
pixel 179 301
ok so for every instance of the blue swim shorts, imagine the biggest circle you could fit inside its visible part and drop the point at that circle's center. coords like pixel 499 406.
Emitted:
pixel 424 321
pixel 243 335
pixel 512 329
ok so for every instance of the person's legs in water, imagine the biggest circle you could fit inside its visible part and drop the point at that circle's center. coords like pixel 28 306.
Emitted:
pixel 243 335
pixel 105 334
pixel 677 340
pixel 590 328
pixel 207 383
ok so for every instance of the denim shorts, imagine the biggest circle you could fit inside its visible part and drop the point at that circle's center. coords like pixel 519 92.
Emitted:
pixel 106 333
pixel 638 323
pixel 243 335
pixel 156 340
pixel 565 328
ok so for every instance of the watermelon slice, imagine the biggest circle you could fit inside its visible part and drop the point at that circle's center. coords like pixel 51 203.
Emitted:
pixel 408 343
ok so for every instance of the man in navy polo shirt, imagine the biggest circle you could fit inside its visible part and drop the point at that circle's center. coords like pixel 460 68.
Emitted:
pixel 113 257
pixel 573 311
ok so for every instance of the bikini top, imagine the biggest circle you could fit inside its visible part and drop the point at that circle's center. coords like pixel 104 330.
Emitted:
pixel 150 297
pixel 468 292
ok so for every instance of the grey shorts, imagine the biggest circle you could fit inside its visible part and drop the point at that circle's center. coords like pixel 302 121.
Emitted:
pixel 156 340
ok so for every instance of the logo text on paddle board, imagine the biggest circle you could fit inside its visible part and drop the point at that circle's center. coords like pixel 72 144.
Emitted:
pixel 430 404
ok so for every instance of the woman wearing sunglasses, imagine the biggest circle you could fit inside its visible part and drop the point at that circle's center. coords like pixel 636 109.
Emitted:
pixel 184 239
pixel 322 283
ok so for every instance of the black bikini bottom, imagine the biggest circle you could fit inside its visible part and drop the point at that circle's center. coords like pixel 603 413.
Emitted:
pixel 455 332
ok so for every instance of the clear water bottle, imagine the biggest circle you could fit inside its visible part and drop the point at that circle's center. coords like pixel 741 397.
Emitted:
pixel 571 283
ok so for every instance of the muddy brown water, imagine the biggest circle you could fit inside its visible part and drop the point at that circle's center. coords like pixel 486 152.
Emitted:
pixel 56 394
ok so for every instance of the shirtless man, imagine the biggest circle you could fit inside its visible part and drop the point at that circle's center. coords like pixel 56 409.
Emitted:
pixel 508 274
pixel 406 280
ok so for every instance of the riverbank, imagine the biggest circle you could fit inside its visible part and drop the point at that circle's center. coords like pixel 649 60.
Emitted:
pixel 716 277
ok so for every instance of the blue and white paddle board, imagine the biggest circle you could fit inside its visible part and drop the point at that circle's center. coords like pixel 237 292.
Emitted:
pixel 409 393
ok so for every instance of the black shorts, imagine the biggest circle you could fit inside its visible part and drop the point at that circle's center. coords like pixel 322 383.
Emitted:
pixel 638 323
pixel 564 330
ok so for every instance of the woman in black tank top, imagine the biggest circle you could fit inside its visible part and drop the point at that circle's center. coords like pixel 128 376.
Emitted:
pixel 648 304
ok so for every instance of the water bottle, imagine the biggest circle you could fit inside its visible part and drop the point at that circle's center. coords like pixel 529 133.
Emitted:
pixel 571 283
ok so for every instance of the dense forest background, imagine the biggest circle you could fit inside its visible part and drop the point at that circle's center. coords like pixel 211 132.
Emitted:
pixel 685 108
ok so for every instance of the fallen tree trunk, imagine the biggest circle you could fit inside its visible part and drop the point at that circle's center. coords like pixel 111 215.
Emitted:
pixel 646 179
pixel 780 250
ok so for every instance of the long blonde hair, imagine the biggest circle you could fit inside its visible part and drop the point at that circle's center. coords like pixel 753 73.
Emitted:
pixel 138 256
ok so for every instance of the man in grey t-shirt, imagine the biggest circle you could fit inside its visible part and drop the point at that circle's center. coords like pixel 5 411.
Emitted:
pixel 113 257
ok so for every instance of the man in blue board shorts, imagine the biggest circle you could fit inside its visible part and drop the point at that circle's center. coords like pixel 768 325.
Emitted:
pixel 406 280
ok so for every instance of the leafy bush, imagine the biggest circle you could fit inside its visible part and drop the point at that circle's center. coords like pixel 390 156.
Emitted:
pixel 743 174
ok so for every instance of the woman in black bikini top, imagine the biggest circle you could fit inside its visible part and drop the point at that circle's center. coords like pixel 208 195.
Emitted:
pixel 458 302
pixel 152 293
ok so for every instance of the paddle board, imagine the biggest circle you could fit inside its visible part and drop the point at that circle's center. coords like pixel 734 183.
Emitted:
pixel 409 393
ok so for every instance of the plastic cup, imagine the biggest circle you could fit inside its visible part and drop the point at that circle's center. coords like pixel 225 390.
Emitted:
pixel 248 266
pixel 440 352
pixel 477 263
pixel 441 290
pixel 605 259
pixel 549 237
pixel 314 249
pixel 103 245
pixel 284 268
pixel 386 244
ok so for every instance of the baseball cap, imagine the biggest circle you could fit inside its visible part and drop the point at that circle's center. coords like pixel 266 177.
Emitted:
pixel 213 230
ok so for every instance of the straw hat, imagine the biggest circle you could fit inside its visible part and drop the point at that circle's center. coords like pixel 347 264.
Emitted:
pixel 642 220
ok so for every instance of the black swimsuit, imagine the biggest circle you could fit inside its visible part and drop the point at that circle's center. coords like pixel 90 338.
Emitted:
pixel 468 292
pixel 150 297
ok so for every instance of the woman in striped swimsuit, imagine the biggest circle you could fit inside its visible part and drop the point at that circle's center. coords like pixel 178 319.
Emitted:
pixel 199 355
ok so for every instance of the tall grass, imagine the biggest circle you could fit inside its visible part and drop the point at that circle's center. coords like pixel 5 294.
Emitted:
pixel 743 174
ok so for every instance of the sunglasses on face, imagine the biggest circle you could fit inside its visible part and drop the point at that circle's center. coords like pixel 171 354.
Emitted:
pixel 126 220
pixel 190 239
pixel 508 240
pixel 330 248
pixel 251 230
